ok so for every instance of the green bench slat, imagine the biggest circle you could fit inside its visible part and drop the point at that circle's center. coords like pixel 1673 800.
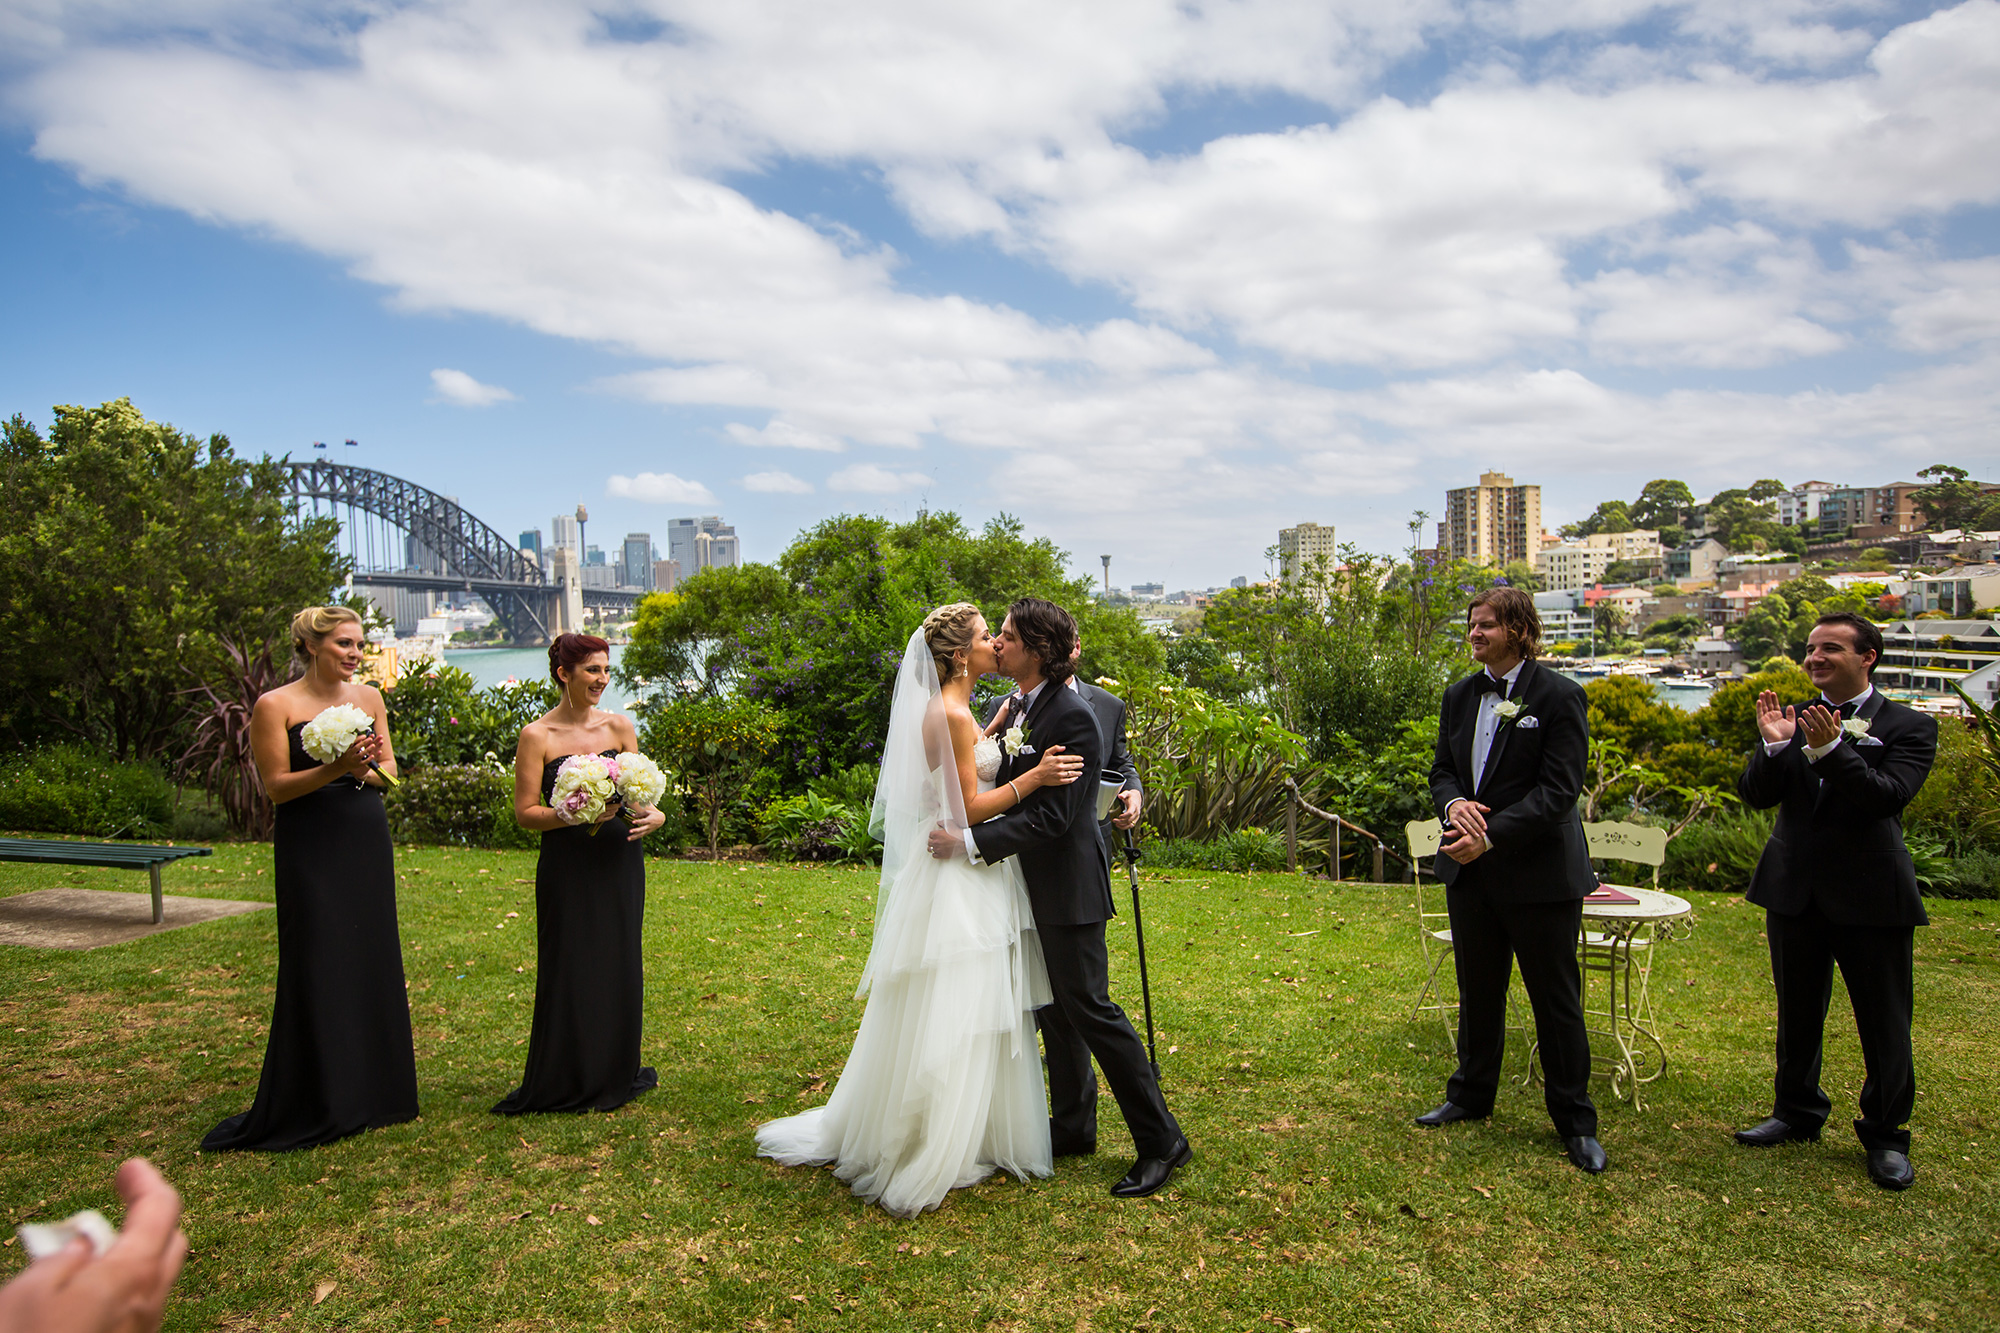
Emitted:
pixel 114 855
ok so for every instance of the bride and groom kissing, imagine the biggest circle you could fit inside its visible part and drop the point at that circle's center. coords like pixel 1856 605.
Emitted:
pixel 995 891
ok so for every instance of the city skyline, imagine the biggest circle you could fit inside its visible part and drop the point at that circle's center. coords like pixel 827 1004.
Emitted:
pixel 1225 267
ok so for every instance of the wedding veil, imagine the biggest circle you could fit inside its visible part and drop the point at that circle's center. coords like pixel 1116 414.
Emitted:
pixel 917 790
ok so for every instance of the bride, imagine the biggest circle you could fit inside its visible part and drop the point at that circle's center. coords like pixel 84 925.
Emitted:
pixel 944 1083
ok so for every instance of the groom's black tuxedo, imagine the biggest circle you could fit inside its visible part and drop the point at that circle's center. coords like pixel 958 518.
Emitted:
pixel 1837 886
pixel 1054 832
pixel 1523 898
pixel 1110 711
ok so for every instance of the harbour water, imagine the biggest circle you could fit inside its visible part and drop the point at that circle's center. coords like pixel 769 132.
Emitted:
pixel 490 666
pixel 1684 695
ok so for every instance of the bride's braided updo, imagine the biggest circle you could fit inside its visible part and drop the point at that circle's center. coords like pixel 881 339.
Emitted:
pixel 946 631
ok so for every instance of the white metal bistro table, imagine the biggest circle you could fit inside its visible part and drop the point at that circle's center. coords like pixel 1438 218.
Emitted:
pixel 1617 944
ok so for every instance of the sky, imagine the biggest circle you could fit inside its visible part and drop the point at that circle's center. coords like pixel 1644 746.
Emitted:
pixel 1158 277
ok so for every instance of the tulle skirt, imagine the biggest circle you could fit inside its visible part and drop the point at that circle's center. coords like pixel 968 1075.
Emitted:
pixel 944 1084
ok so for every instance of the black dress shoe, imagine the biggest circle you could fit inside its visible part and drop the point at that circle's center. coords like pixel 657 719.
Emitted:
pixel 1772 1132
pixel 1150 1174
pixel 1891 1169
pixel 1445 1115
pixel 1586 1154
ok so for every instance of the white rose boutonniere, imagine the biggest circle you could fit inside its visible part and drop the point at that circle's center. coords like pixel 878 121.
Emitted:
pixel 1509 710
pixel 1854 728
pixel 1015 738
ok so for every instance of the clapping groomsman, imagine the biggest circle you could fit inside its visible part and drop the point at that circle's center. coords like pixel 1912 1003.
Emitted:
pixel 1837 887
pixel 1512 740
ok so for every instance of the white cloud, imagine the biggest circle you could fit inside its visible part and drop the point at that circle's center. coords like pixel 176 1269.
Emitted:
pixel 658 488
pixel 781 434
pixel 776 483
pixel 870 479
pixel 455 386
pixel 1356 300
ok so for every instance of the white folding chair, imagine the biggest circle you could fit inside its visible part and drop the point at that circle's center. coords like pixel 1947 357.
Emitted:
pixel 1433 927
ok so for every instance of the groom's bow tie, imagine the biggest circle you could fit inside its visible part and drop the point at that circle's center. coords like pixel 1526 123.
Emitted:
pixel 1485 684
pixel 1846 710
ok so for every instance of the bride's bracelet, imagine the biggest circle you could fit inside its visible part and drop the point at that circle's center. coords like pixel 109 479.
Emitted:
pixel 1016 791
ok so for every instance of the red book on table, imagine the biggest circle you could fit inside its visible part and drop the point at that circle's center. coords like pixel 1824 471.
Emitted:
pixel 1607 894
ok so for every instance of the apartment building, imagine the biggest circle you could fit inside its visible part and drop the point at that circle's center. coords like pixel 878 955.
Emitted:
pixel 1493 523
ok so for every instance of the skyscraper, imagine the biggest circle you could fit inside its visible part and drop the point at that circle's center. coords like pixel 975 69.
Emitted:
pixel 563 532
pixel 636 561
pixel 1493 523
pixel 687 549
pixel 531 540
pixel 1305 549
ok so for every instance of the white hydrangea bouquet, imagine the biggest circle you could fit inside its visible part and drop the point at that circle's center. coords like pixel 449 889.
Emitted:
pixel 641 783
pixel 586 785
pixel 333 733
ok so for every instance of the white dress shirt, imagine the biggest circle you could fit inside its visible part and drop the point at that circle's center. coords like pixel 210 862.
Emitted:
pixel 1488 724
pixel 1815 753
pixel 1484 728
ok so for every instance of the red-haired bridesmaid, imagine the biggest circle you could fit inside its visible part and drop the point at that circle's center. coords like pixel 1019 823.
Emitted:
pixel 590 898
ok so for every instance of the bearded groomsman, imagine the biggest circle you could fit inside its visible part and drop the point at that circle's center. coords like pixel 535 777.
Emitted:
pixel 1837 887
pixel 1512 739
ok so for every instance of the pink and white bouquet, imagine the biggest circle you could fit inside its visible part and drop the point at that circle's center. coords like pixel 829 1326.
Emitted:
pixel 586 785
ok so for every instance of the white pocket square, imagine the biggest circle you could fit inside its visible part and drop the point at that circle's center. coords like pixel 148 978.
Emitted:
pixel 1029 749
pixel 1868 740
pixel 1529 723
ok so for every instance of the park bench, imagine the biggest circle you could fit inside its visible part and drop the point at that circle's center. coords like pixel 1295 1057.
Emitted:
pixel 118 855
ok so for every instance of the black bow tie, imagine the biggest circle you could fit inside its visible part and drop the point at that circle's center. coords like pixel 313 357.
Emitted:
pixel 1845 710
pixel 1485 684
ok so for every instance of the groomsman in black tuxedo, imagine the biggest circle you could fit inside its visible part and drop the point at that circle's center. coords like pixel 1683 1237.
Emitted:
pixel 1837 887
pixel 1512 739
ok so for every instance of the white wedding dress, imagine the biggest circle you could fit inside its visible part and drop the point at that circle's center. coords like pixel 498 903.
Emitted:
pixel 944 1083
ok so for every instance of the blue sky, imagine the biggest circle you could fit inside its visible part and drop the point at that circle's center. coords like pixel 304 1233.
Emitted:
pixel 1157 278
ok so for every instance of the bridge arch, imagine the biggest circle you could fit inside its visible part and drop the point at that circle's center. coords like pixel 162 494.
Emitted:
pixel 475 556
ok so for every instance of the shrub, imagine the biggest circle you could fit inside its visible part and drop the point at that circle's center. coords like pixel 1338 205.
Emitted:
pixel 73 789
pixel 811 828
pixel 443 717
pixel 1718 855
pixel 853 787
pixel 1238 852
pixel 463 805
pixel 1976 875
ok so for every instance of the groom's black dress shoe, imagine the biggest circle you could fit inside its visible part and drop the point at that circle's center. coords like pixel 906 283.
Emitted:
pixel 1891 1169
pixel 1770 1133
pixel 1586 1154
pixel 1446 1114
pixel 1150 1174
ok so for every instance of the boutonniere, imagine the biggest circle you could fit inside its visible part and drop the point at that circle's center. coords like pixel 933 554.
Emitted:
pixel 1015 738
pixel 1854 728
pixel 1510 710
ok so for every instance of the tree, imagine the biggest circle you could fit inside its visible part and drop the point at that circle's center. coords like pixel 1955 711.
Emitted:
pixel 1662 504
pixel 817 636
pixel 1953 499
pixel 1744 519
pixel 130 554
pixel 1522 575
pixel 715 747
pixel 1609 516
pixel 1610 618
pixel 1675 632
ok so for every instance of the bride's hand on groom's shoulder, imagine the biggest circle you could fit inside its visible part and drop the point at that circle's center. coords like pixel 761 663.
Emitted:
pixel 1059 768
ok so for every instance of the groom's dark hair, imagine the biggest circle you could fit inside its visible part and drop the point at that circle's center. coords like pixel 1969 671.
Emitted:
pixel 1047 631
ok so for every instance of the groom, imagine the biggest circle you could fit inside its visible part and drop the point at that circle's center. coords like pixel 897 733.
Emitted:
pixel 1054 832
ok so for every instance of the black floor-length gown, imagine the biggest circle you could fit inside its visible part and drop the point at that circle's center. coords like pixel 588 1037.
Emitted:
pixel 590 898
pixel 339 1059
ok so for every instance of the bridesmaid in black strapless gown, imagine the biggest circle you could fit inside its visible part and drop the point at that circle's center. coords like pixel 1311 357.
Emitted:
pixel 339 1059
pixel 590 897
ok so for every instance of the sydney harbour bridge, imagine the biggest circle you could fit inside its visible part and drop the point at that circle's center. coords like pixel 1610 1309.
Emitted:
pixel 402 535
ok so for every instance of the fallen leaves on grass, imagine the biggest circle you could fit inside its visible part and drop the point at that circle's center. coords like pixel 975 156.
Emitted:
pixel 324 1290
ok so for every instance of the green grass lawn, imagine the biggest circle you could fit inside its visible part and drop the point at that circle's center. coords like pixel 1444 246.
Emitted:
pixel 1313 1203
